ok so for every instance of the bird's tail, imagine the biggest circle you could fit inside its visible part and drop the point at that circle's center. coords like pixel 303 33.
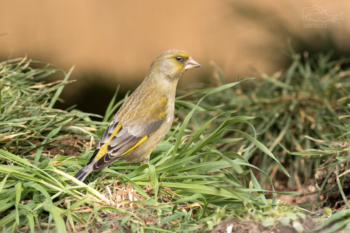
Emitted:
pixel 83 173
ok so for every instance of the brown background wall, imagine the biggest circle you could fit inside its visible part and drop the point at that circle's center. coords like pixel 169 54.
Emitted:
pixel 114 41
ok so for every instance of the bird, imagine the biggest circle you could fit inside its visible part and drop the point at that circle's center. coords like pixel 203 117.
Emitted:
pixel 145 117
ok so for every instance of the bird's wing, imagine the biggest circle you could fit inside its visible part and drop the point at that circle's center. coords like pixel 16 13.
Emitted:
pixel 120 138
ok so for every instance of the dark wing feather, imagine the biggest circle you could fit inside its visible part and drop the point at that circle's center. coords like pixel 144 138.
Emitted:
pixel 122 141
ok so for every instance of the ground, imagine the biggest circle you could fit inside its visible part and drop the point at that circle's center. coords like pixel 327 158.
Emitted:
pixel 74 144
pixel 250 226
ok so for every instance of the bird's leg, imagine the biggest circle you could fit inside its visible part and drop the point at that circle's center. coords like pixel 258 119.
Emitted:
pixel 147 158
pixel 145 161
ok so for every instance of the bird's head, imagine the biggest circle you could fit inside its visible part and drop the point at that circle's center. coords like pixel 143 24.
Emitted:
pixel 173 63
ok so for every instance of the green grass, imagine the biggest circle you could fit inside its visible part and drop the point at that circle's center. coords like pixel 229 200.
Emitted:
pixel 28 120
pixel 198 175
pixel 333 175
pixel 292 109
pixel 189 183
pixel 302 116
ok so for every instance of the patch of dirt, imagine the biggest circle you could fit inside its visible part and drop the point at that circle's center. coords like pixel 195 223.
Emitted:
pixel 253 226
pixel 333 198
pixel 72 145
pixel 330 196
pixel 114 225
pixel 235 225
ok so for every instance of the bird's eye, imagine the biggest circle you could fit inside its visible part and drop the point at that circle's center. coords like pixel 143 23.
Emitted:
pixel 179 58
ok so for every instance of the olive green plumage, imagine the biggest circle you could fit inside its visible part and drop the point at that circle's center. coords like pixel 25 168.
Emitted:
pixel 145 117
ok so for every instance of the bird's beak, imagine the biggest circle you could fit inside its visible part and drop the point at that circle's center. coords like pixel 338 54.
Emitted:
pixel 190 64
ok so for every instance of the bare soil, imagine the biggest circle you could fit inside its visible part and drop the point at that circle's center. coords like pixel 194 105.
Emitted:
pixel 72 145
pixel 250 226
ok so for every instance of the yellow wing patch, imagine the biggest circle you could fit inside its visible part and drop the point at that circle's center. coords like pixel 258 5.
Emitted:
pixel 103 149
pixel 136 145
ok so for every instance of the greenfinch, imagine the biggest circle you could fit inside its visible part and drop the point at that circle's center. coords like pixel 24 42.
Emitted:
pixel 145 117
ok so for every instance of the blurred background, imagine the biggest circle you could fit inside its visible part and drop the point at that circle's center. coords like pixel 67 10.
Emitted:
pixel 113 43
